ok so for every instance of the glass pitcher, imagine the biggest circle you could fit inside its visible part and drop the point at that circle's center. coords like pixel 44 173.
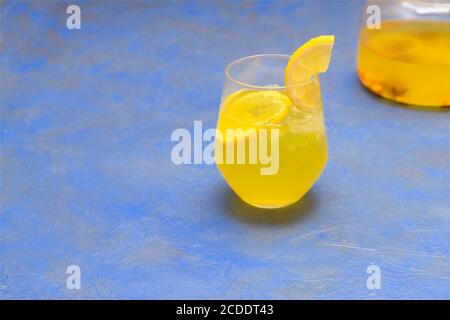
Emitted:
pixel 404 51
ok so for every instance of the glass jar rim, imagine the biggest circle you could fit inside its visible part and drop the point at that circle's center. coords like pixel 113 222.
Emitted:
pixel 314 77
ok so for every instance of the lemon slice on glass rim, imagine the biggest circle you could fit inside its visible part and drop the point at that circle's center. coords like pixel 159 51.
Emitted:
pixel 308 60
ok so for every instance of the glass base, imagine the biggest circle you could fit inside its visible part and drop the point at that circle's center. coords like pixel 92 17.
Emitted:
pixel 269 206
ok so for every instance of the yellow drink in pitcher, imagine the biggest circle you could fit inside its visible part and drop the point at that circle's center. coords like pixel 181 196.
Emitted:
pixel 407 61
pixel 301 146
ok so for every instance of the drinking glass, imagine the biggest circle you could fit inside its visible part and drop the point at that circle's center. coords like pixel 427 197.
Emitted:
pixel 405 55
pixel 271 143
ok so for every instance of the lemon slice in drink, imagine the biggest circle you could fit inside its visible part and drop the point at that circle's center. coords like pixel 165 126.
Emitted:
pixel 246 111
pixel 311 58
pixel 258 107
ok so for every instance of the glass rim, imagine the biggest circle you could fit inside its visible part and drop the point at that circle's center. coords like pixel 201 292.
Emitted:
pixel 314 77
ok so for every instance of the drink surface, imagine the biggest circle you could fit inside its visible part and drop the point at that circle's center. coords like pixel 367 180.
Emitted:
pixel 302 147
pixel 407 61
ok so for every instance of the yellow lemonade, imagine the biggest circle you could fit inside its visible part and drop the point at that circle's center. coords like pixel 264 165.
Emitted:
pixel 301 146
pixel 407 61
pixel 270 144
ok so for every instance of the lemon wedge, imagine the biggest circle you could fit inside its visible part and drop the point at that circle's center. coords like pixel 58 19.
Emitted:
pixel 311 58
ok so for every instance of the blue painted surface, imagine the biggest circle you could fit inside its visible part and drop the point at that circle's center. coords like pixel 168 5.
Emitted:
pixel 86 175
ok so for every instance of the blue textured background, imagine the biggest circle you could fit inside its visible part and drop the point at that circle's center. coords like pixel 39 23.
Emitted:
pixel 86 175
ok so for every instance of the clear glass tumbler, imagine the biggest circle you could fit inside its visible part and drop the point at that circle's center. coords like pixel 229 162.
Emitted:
pixel 270 148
